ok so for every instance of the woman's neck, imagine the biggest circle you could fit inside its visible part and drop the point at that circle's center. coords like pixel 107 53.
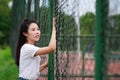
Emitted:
pixel 30 42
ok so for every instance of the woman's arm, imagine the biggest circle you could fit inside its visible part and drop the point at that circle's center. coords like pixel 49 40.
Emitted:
pixel 43 66
pixel 52 44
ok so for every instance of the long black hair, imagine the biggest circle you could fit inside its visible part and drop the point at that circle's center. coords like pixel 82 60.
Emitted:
pixel 22 39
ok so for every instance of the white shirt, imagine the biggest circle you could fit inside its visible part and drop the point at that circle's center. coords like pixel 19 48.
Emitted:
pixel 29 65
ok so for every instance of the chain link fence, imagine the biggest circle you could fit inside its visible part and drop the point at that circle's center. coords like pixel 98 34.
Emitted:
pixel 74 58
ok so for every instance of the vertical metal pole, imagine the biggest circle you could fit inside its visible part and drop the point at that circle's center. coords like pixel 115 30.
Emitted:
pixel 23 9
pixel 36 12
pixel 51 56
pixel 102 9
pixel 28 10
pixel 99 40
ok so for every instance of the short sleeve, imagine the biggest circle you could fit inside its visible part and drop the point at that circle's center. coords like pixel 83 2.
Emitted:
pixel 29 50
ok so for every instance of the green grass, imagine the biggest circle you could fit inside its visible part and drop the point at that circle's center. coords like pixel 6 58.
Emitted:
pixel 8 69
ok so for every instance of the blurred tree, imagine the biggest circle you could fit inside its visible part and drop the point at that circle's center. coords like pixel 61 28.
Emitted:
pixel 44 23
pixel 4 21
pixel 114 24
pixel 18 13
pixel 87 23
pixel 87 28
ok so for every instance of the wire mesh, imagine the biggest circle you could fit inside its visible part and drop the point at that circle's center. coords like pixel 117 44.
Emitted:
pixel 113 47
pixel 74 57
pixel 72 61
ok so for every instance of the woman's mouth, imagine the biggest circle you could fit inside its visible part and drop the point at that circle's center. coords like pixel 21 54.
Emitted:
pixel 38 36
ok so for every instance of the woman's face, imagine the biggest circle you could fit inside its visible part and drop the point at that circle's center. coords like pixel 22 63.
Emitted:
pixel 33 34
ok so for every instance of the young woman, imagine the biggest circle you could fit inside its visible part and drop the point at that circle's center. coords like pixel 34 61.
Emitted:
pixel 27 54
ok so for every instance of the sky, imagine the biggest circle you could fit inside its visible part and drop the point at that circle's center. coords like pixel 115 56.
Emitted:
pixel 114 7
pixel 77 8
pixel 80 7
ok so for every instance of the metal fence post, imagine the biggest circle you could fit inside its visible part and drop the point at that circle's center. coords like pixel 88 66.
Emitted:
pixel 51 56
pixel 102 9
pixel 99 41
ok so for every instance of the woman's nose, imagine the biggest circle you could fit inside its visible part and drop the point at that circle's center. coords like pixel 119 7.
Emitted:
pixel 37 32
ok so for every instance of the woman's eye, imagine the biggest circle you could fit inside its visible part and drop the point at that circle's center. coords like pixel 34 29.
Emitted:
pixel 38 29
pixel 33 29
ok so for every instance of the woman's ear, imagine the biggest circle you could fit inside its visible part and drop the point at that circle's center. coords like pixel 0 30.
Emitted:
pixel 24 33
